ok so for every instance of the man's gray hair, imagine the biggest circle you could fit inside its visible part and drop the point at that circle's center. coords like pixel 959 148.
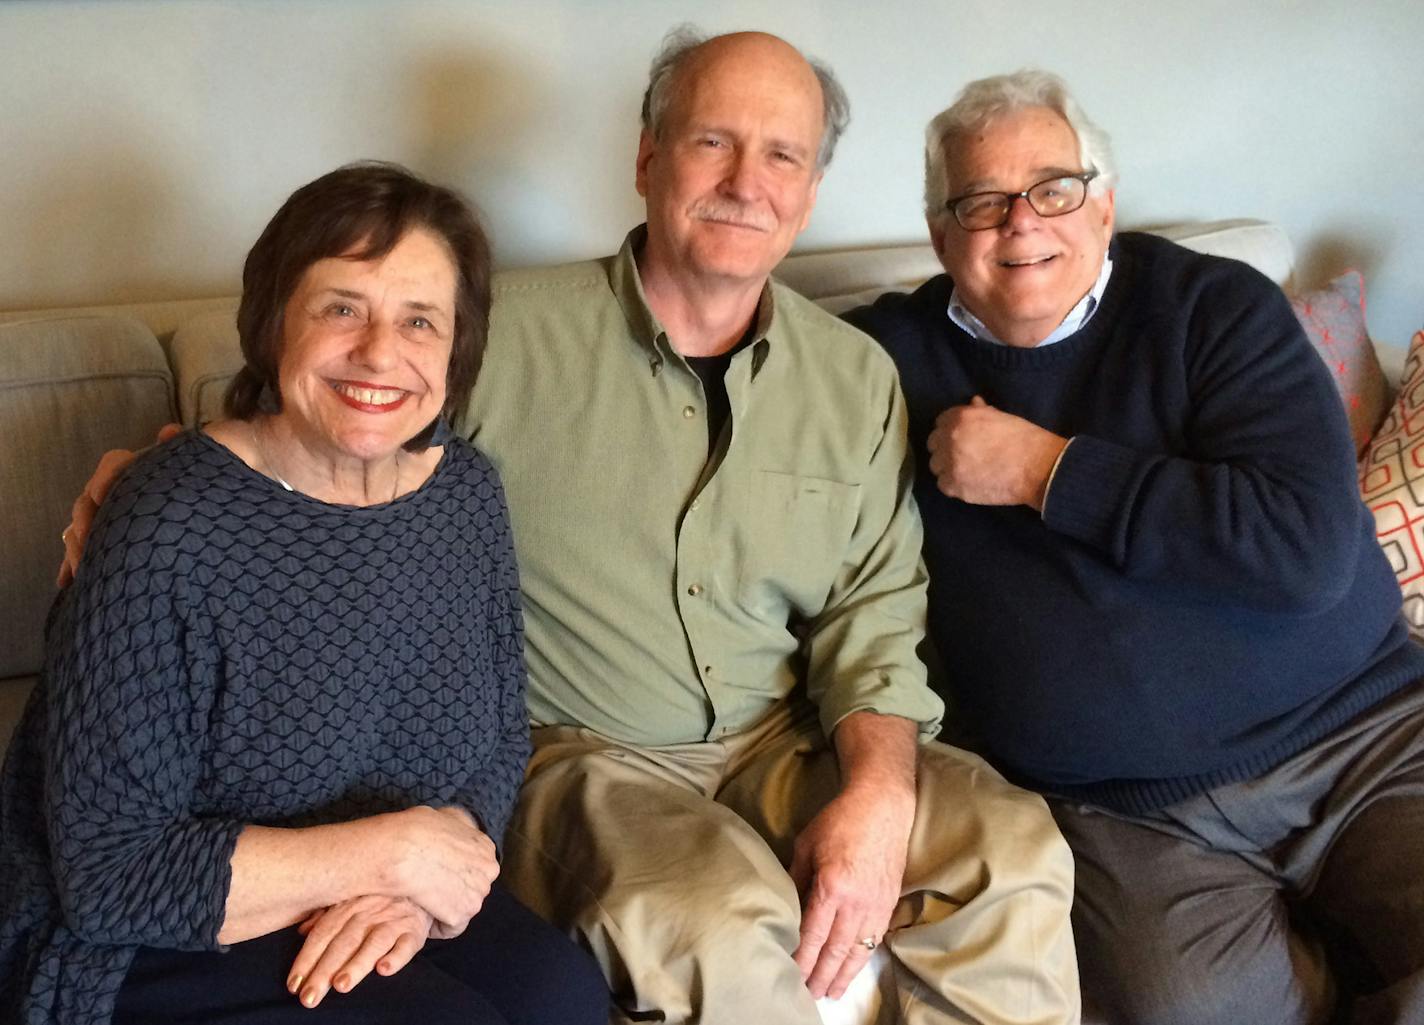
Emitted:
pixel 682 40
pixel 982 101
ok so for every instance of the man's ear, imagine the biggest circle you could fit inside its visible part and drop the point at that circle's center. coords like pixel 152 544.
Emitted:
pixel 1109 204
pixel 647 147
pixel 936 226
pixel 811 200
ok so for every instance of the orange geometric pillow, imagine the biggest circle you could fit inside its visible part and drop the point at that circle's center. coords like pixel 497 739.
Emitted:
pixel 1334 321
pixel 1392 484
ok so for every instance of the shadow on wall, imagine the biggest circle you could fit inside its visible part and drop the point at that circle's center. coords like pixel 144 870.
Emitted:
pixel 122 212
pixel 498 131
pixel 1325 256
pixel 87 205
pixel 472 113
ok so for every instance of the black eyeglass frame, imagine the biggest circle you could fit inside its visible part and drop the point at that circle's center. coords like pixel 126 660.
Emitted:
pixel 1086 177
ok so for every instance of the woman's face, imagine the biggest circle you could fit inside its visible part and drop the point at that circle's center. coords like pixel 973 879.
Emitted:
pixel 366 346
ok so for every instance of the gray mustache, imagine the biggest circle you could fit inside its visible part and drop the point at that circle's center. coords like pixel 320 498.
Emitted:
pixel 733 213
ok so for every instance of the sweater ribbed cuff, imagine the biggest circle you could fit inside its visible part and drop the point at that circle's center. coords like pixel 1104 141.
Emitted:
pixel 1091 492
pixel 1048 485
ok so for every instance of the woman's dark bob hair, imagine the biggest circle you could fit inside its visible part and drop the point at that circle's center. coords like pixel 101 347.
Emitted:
pixel 360 211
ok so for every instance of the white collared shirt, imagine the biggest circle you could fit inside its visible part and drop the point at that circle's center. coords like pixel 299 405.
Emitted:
pixel 1077 318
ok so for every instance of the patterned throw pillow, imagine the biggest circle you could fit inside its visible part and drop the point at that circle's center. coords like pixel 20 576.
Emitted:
pixel 1392 483
pixel 1334 321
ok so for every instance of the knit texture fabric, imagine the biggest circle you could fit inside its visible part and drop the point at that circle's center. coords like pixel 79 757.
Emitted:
pixel 1203 596
pixel 232 653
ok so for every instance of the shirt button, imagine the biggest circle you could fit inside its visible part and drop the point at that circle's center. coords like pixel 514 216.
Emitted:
pixel 688 412
pixel 695 590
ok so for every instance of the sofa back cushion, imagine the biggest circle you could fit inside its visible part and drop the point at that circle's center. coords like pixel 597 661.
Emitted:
pixel 1262 244
pixel 205 355
pixel 70 389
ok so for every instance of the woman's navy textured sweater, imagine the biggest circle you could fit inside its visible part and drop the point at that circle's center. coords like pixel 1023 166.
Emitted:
pixel 232 653
pixel 1203 596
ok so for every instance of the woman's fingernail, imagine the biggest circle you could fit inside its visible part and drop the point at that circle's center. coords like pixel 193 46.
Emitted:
pixel 342 983
pixel 294 983
pixel 309 996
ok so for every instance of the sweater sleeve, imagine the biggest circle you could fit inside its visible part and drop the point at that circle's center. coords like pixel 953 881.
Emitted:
pixel 489 793
pixel 126 684
pixel 1261 509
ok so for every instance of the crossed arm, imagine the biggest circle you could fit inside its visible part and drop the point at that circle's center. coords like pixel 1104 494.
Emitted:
pixel 368 893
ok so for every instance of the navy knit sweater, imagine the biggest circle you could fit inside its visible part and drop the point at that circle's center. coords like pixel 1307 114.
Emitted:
pixel 232 653
pixel 1203 596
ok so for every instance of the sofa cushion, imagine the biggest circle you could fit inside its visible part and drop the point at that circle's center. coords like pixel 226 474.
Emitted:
pixel 1392 483
pixel 1334 321
pixel 1261 244
pixel 869 271
pixel 70 389
pixel 162 317
pixel 205 356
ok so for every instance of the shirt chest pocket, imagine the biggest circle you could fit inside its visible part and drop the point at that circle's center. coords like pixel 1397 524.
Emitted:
pixel 798 532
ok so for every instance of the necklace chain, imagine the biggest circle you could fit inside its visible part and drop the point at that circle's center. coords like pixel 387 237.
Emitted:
pixel 271 470
pixel 267 466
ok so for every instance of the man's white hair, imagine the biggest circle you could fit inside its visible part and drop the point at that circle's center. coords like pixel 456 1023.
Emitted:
pixel 984 100
pixel 679 43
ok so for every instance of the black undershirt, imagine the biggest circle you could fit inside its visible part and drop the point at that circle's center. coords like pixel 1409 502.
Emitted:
pixel 713 372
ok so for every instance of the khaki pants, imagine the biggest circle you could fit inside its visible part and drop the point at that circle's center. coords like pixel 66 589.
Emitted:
pixel 670 863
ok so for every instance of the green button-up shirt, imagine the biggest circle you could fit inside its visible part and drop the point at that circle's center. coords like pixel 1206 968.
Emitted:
pixel 671 598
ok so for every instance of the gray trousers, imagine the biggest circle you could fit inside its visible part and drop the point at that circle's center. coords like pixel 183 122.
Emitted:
pixel 1296 897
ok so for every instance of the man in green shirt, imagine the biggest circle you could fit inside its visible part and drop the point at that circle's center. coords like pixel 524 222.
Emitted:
pixel 733 796
pixel 719 557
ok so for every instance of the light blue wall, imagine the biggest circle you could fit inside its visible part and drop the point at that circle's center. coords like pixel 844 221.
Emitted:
pixel 147 141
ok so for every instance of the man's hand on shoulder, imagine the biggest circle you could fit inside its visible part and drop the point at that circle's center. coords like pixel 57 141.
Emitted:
pixel 849 862
pixel 985 456
pixel 81 515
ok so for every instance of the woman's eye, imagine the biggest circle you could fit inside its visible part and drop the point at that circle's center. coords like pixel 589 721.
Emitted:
pixel 420 322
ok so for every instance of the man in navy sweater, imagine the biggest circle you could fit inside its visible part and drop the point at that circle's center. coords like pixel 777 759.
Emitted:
pixel 1154 587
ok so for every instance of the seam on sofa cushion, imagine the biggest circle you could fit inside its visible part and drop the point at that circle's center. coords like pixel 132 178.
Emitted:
pixel 49 382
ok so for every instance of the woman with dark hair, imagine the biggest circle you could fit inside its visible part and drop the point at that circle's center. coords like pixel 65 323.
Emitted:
pixel 281 724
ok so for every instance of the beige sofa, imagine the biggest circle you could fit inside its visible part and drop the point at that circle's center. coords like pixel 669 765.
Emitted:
pixel 76 382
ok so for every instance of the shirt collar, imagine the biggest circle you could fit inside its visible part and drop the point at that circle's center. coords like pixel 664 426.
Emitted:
pixel 1076 320
pixel 627 288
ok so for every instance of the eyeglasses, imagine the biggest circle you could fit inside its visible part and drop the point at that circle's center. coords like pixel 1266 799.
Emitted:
pixel 1052 197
